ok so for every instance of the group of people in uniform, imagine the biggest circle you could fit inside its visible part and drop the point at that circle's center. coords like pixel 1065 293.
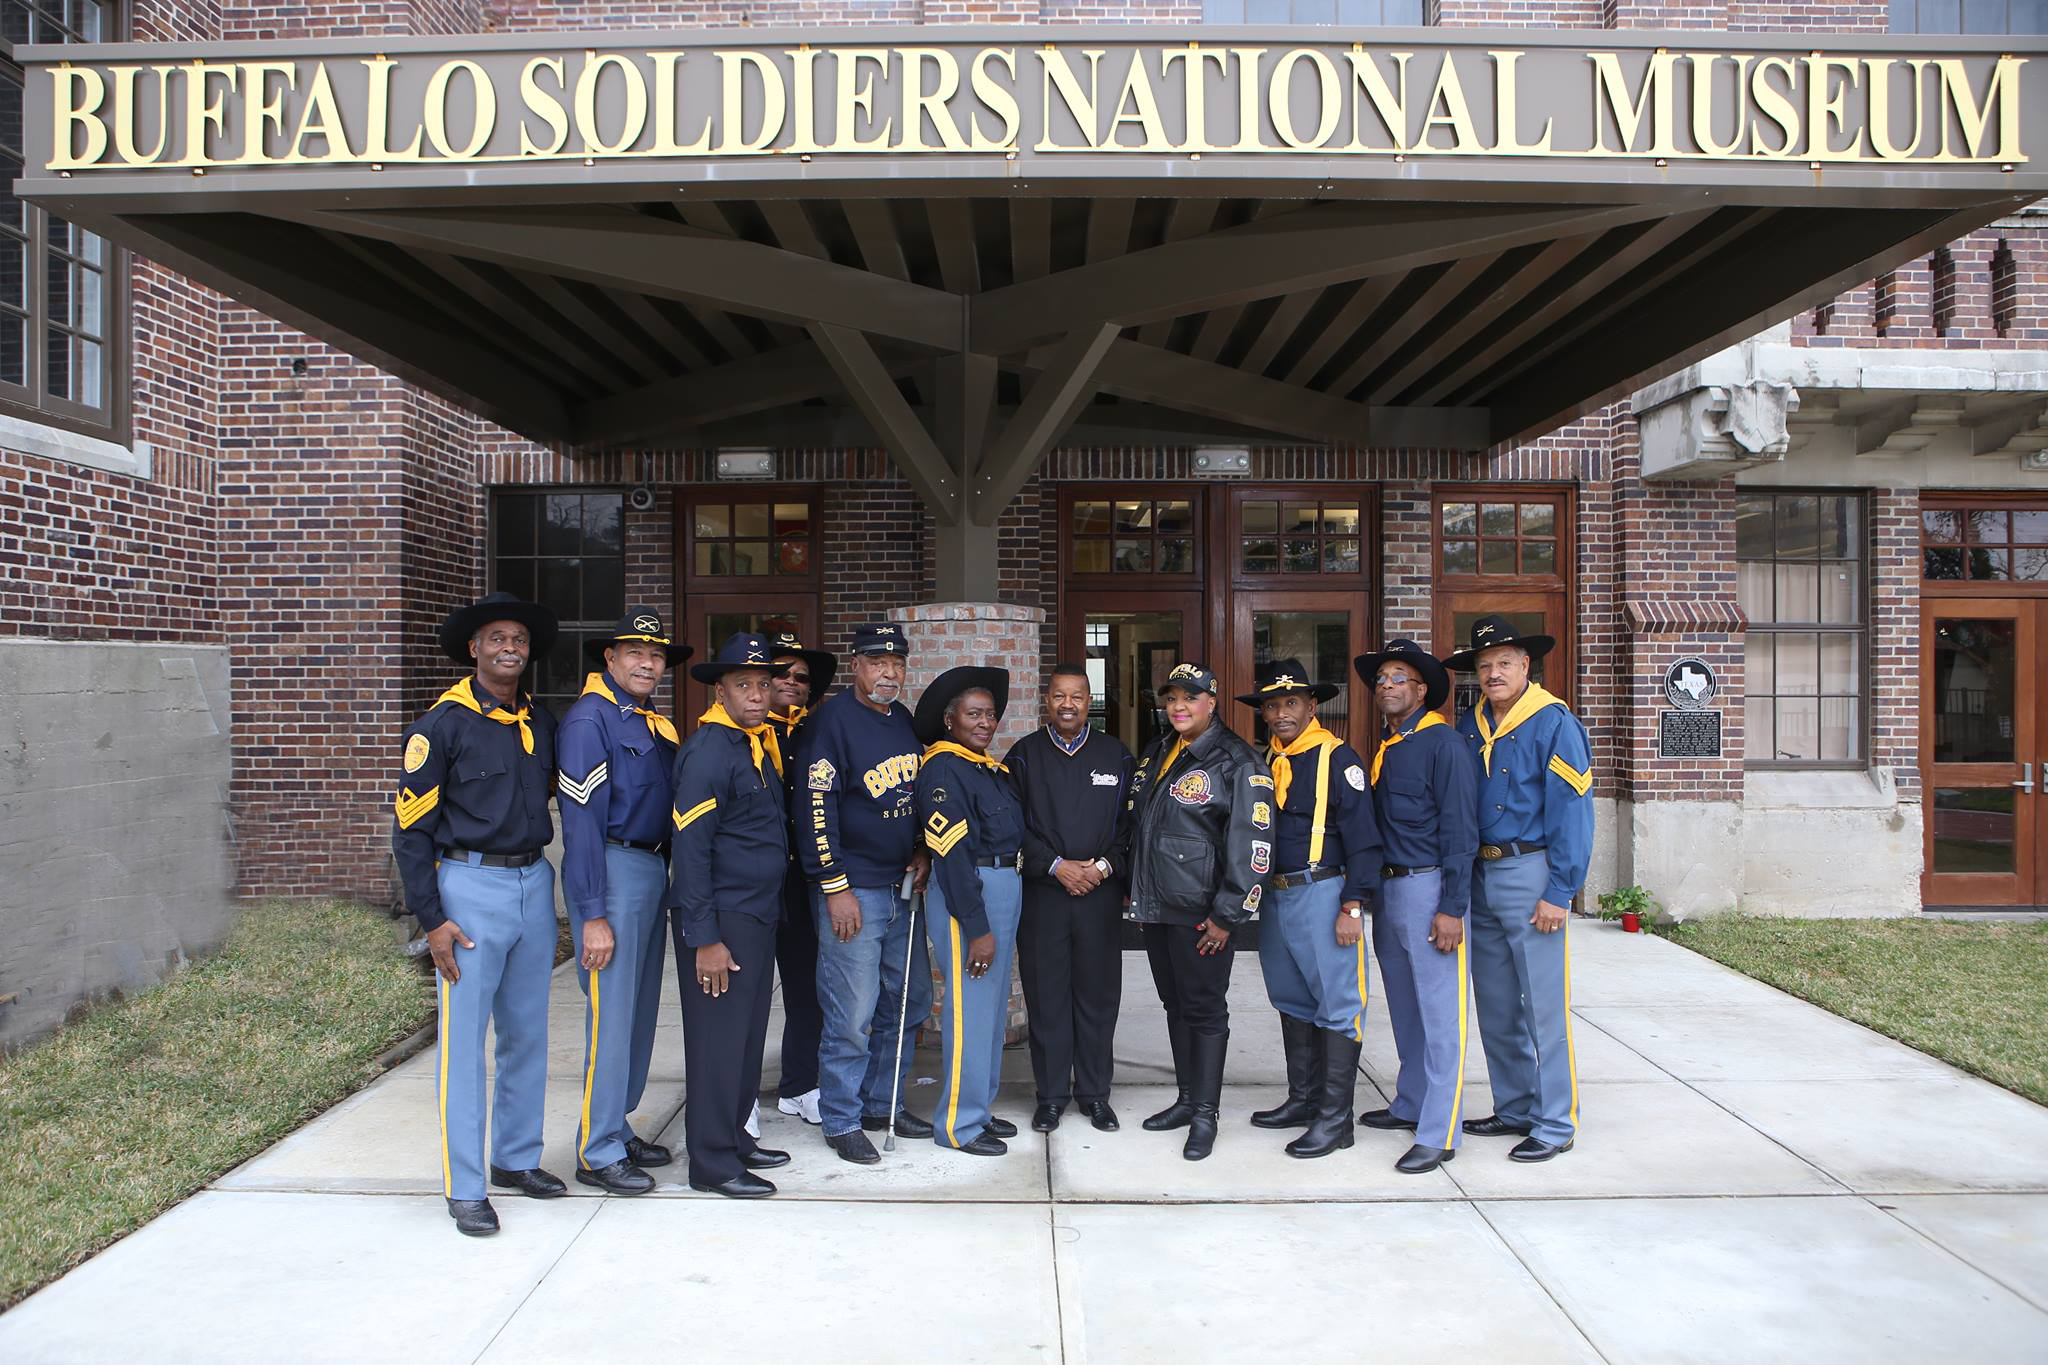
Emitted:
pixel 799 832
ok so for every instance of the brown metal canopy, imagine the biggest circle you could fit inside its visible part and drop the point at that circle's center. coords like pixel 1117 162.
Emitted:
pixel 966 244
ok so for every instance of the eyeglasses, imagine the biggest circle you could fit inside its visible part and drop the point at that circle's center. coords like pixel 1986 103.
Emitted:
pixel 795 676
pixel 1387 679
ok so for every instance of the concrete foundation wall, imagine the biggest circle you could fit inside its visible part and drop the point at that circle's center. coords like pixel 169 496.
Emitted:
pixel 1829 843
pixel 115 860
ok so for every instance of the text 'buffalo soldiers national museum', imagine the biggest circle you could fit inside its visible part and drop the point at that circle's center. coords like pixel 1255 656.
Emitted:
pixel 1710 336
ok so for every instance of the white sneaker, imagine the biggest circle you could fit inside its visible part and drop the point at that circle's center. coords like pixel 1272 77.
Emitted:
pixel 804 1106
pixel 754 1122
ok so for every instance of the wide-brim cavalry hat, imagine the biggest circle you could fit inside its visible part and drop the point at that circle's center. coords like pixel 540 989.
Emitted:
pixel 1489 632
pixel 1190 677
pixel 464 622
pixel 639 623
pixel 881 637
pixel 1284 678
pixel 784 643
pixel 1436 679
pixel 930 720
pixel 741 650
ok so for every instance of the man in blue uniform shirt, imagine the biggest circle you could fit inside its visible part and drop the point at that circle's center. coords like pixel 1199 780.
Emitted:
pixel 471 822
pixel 1325 858
pixel 1426 792
pixel 857 835
pixel 726 867
pixel 1536 837
pixel 612 759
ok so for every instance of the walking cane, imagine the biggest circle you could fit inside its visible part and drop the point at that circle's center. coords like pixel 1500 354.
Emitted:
pixel 902 1015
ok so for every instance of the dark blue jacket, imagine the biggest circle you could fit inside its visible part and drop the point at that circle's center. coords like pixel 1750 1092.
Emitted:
pixel 1351 838
pixel 1534 791
pixel 613 781
pixel 968 811
pixel 730 850
pixel 1426 790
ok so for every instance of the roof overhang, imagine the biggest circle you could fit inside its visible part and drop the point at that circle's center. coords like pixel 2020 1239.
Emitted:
pixel 950 239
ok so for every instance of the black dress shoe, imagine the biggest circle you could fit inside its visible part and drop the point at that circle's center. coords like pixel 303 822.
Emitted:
pixel 1493 1125
pixel 1002 1128
pixel 763 1159
pixel 534 1184
pixel 621 1177
pixel 853 1147
pixel 1101 1115
pixel 984 1144
pixel 1046 1117
pixel 1418 1160
pixel 741 1186
pixel 907 1124
pixel 1383 1118
pixel 1535 1149
pixel 473 1217
pixel 647 1154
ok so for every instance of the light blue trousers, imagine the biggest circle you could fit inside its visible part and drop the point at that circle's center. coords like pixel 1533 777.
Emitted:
pixel 620 1003
pixel 509 914
pixel 976 1008
pixel 1426 1003
pixel 1308 977
pixel 1522 987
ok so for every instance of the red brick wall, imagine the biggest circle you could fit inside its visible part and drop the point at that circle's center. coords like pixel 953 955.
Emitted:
pixel 1852 320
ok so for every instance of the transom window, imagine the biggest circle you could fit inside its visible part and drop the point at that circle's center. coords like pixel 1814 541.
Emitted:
pixel 1138 536
pixel 567 551
pixel 1800 581
pixel 743 538
pixel 1309 536
pixel 1498 538
pixel 1984 544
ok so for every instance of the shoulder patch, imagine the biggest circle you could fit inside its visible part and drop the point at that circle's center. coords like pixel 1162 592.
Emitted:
pixel 1194 789
pixel 822 774
pixel 1262 815
pixel 1261 780
pixel 1355 775
pixel 416 750
pixel 1254 896
pixel 1262 857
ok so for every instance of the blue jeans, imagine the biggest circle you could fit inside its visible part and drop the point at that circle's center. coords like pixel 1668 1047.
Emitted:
pixel 860 990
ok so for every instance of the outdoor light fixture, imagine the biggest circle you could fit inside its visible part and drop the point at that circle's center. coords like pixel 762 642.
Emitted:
pixel 745 462
pixel 1223 461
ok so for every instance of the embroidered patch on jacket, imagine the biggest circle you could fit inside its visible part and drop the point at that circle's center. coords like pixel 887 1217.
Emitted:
pixel 1355 775
pixel 416 750
pixel 1193 790
pixel 1262 815
pixel 1103 779
pixel 1254 896
pixel 1261 780
pixel 822 775
pixel 1262 857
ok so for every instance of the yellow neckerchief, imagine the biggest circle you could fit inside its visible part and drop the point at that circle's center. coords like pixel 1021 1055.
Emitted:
pixel 1379 755
pixel 464 694
pixel 1531 701
pixel 760 739
pixel 947 746
pixel 660 726
pixel 791 719
pixel 1313 737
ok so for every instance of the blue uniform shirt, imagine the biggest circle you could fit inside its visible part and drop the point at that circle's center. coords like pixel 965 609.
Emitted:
pixel 731 844
pixel 612 780
pixel 856 820
pixel 1426 790
pixel 1351 838
pixel 967 811
pixel 1533 789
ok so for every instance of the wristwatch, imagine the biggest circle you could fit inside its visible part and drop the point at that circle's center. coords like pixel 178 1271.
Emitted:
pixel 1355 910
pixel 1102 866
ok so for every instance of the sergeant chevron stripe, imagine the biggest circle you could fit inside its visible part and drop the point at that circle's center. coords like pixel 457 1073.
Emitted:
pixel 684 818
pixel 580 792
pixel 410 808
pixel 942 844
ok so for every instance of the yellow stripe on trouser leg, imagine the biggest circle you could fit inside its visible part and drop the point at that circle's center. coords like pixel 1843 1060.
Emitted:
pixel 959 1038
pixel 1364 996
pixel 447 1027
pixel 1571 1051
pixel 1464 1009
pixel 589 1075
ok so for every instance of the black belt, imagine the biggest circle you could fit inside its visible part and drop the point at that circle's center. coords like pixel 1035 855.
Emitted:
pixel 1513 848
pixel 1014 861
pixel 661 847
pixel 1395 870
pixel 470 855
pixel 1287 881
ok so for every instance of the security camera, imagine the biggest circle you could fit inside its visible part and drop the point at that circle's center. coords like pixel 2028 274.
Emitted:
pixel 641 499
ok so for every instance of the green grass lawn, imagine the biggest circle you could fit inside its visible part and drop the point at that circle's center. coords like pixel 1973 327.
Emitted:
pixel 113 1119
pixel 1974 993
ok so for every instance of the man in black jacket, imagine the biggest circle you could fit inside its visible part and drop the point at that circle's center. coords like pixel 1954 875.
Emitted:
pixel 1201 800
pixel 1072 780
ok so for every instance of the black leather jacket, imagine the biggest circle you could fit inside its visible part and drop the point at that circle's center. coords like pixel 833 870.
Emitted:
pixel 1200 830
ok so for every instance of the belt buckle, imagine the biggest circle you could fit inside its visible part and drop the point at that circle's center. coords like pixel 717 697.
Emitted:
pixel 1491 853
pixel 1018 861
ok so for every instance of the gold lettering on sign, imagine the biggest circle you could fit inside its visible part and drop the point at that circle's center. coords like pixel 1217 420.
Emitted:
pixel 128 115
pixel 75 96
pixel 484 114
pixel 266 111
pixel 1507 104
pixel 1329 99
pixel 666 84
pixel 377 138
pixel 1701 67
pixel 856 100
pixel 546 104
pixel 1612 104
pixel 2002 89
pixel 1878 83
pixel 997 98
pixel 1058 74
pixel 1194 93
pixel 203 111
pixel 929 104
pixel 733 68
pixel 1389 101
pixel 321 118
pixel 1825 105
pixel 635 121
pixel 1449 96
pixel 1774 103
pixel 1137 104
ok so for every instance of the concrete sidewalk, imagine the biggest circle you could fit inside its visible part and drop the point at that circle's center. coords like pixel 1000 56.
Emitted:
pixel 1756 1180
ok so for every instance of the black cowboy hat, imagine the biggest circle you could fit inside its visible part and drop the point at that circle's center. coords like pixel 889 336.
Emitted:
pixel 1491 631
pixel 1436 680
pixel 639 623
pixel 930 721
pixel 741 650
pixel 1284 678
pixel 464 622
pixel 783 643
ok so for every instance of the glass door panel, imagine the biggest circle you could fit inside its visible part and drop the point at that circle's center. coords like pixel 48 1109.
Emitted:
pixel 1325 630
pixel 709 620
pixel 1981 751
pixel 1129 642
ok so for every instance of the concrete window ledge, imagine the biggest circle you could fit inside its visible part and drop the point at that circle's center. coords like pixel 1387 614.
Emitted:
pixel 93 452
pixel 1871 789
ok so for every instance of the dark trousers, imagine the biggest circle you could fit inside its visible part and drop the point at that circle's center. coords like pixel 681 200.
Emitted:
pixel 1070 958
pixel 722 1042
pixel 803 1022
pixel 1195 989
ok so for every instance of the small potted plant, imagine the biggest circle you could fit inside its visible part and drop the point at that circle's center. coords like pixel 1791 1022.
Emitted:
pixel 1628 904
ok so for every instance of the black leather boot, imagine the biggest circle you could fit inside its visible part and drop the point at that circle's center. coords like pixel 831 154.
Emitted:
pixel 1177 1114
pixel 1303 1043
pixel 1206 1092
pixel 1332 1128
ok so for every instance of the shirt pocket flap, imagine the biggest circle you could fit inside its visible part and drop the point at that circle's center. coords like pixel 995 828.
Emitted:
pixel 1412 788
